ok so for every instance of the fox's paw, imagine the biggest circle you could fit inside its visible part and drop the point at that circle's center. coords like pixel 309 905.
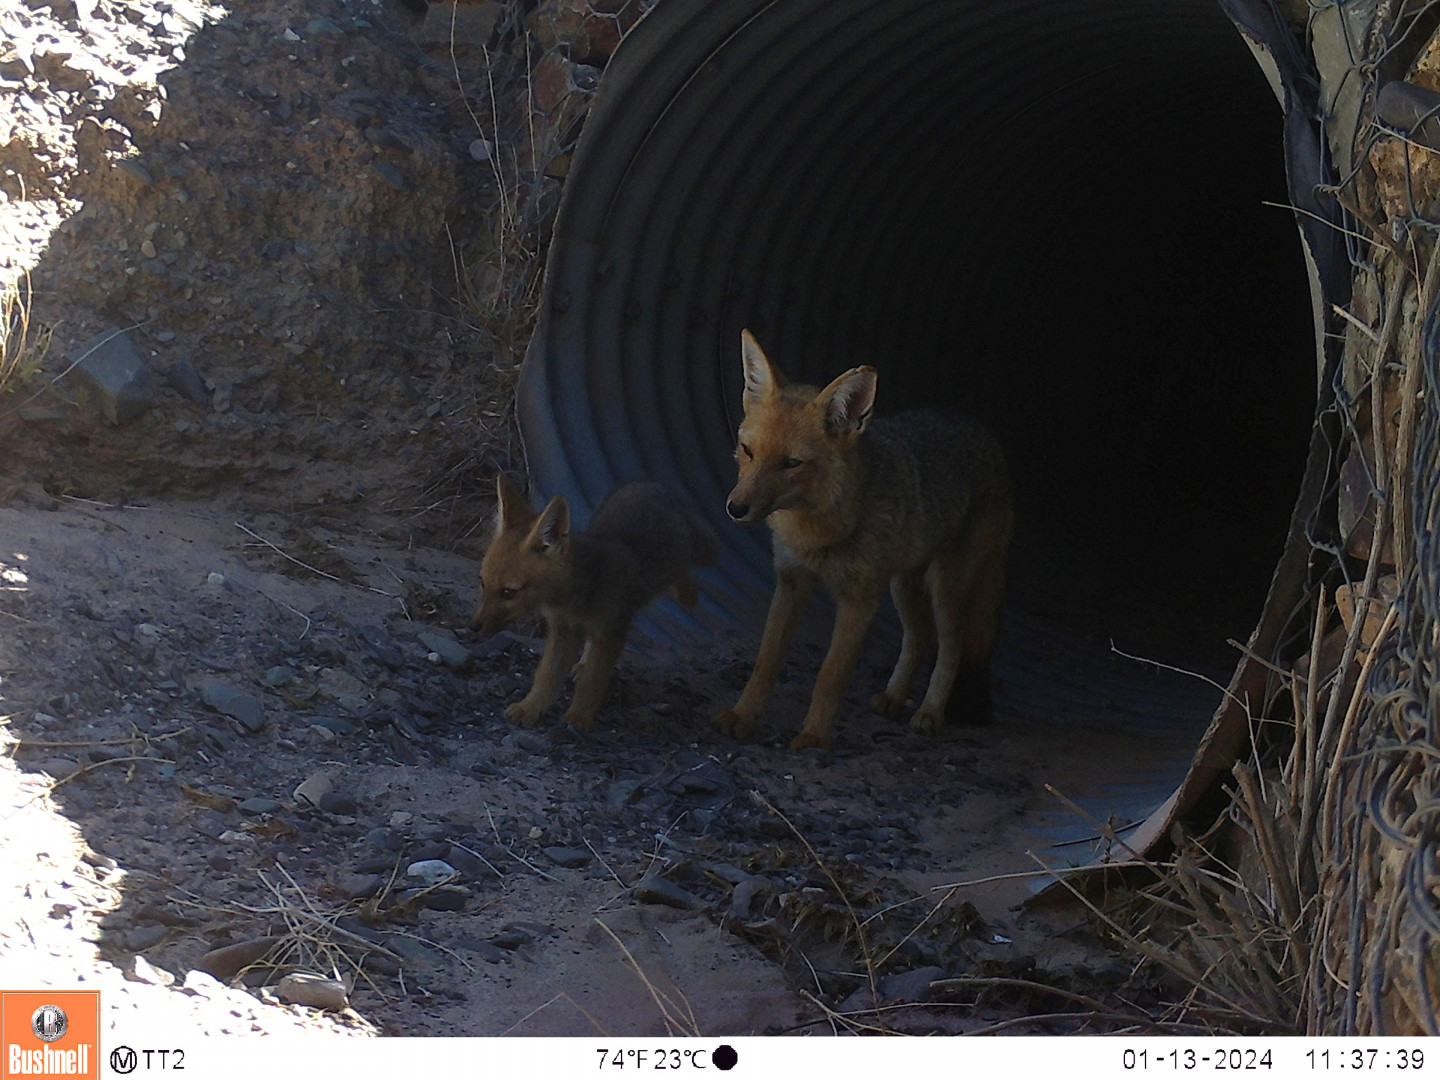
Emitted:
pixel 886 705
pixel 927 721
pixel 523 713
pixel 732 723
pixel 580 721
pixel 807 739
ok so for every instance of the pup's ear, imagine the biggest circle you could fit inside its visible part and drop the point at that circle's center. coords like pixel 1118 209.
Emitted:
pixel 762 379
pixel 552 527
pixel 846 403
pixel 513 510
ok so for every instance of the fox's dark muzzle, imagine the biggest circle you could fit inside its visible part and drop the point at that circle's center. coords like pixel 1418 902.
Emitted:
pixel 486 623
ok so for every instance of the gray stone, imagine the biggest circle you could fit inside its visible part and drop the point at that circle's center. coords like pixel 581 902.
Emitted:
pixel 260 805
pixel 186 381
pixel 910 987
pixel 389 174
pixel 136 171
pixel 334 724
pixel 500 643
pixel 379 863
pixel 906 988
pixel 383 839
pixel 742 900
pixel 337 802
pixel 429 872
pixel 58 767
pixel 108 366
pixel 236 704
pixel 528 741
pixel 450 651
pixel 654 889
pixel 489 953
pixel 227 961
pixel 345 690
pixel 316 991
pixel 512 937
pixel 472 866
pixel 379 642
pixel 446 898
pixel 568 857
pixel 359 886
pixel 725 872
pixel 145 937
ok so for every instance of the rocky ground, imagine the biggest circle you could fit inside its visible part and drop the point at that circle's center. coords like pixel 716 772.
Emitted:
pixel 282 259
pixel 277 766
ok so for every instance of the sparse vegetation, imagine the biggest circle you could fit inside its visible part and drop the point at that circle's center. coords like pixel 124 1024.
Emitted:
pixel 24 342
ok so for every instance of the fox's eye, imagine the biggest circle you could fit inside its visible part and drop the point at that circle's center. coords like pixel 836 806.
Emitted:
pixel 791 463
pixel 506 594
pixel 746 451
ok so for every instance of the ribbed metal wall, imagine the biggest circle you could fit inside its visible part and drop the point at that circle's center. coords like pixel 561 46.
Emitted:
pixel 1046 211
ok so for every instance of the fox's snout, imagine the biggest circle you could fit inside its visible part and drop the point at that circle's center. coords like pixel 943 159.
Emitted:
pixel 746 505
pixel 487 622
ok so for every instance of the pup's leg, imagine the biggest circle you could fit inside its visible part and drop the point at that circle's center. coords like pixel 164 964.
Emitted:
pixel 562 646
pixel 580 664
pixel 852 619
pixel 918 623
pixel 793 588
pixel 604 650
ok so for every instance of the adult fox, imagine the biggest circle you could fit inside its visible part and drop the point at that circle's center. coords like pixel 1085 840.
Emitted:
pixel 920 501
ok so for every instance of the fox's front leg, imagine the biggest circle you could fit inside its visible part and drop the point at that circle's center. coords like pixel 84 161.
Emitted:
pixel 793 589
pixel 854 612
pixel 562 646
pixel 593 678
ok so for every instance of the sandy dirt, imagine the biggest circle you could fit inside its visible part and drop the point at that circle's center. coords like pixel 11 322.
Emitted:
pixel 119 620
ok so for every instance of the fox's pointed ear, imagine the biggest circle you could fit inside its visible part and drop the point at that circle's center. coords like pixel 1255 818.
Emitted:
pixel 513 509
pixel 848 400
pixel 552 527
pixel 762 379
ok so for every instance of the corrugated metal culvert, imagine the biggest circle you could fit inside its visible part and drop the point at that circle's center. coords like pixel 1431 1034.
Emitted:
pixel 1078 220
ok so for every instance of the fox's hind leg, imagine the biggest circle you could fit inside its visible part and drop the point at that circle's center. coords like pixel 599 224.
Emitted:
pixel 603 651
pixel 966 586
pixel 918 623
pixel 562 645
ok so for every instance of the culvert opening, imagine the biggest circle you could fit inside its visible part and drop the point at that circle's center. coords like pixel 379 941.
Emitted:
pixel 1049 214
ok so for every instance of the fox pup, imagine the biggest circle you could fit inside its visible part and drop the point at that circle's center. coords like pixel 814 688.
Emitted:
pixel 589 585
pixel 920 501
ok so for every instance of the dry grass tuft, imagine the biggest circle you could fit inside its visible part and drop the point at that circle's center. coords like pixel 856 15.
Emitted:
pixel 23 343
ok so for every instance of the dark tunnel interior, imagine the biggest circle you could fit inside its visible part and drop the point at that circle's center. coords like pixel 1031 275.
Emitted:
pixel 1053 215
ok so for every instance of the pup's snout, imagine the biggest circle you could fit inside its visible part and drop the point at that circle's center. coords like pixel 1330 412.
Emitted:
pixel 738 511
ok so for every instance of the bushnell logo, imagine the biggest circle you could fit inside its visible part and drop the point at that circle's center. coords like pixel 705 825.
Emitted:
pixel 48 1034
pixel 49 1023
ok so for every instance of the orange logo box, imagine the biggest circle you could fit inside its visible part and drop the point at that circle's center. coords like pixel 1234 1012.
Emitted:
pixel 68 1040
